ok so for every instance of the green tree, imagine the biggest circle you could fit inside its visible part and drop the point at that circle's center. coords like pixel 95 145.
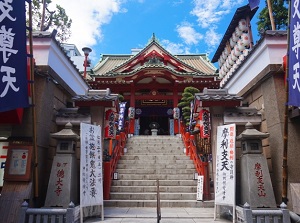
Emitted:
pixel 43 19
pixel 185 102
pixel 280 15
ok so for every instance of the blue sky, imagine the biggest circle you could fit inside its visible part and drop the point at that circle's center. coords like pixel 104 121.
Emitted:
pixel 181 26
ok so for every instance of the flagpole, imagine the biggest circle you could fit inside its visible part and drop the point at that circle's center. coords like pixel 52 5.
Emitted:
pixel 285 128
pixel 34 141
pixel 271 14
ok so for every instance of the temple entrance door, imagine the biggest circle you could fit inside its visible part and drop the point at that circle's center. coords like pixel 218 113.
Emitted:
pixel 162 121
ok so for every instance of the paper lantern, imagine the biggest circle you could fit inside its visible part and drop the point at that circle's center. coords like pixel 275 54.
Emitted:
pixel 233 56
pixel 131 112
pixel 246 52
pixel 176 113
pixel 225 69
pixel 238 61
pixel 241 57
pixel 237 51
pixel 245 39
pixel 240 45
pixel 238 32
pixel 232 43
pixel 243 25
pixel 234 37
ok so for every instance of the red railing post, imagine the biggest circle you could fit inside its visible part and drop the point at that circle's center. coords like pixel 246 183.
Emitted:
pixel 106 180
pixel 187 143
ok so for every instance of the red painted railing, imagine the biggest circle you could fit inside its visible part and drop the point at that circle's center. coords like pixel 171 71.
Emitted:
pixel 110 166
pixel 200 166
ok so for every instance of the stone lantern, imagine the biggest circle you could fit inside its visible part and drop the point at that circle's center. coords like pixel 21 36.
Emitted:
pixel 62 187
pixel 256 186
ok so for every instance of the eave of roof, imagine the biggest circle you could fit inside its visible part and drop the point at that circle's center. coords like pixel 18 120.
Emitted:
pixel 240 13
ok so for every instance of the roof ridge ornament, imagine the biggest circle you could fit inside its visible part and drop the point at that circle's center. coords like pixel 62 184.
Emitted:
pixel 153 39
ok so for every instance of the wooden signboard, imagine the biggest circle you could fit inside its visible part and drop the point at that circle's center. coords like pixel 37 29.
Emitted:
pixel 18 163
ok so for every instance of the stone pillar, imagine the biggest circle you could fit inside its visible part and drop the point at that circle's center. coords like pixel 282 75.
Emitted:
pixel 256 186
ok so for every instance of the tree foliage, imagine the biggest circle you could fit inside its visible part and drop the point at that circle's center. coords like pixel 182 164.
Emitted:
pixel 57 19
pixel 280 15
pixel 185 103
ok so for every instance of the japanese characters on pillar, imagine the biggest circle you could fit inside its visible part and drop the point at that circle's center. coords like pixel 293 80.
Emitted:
pixel 110 127
pixel 225 165
pixel 13 59
pixel 261 191
pixel 91 192
pixel 60 177
pixel 293 48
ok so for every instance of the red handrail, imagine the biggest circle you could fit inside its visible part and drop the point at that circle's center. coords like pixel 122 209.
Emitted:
pixel 110 166
pixel 200 166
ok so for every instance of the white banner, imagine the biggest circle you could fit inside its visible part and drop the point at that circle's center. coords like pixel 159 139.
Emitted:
pixel 225 165
pixel 91 186
pixel 200 188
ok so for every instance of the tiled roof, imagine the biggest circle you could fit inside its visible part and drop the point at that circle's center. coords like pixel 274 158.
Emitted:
pixel 199 63
pixel 96 95
pixel 217 95
pixel 110 62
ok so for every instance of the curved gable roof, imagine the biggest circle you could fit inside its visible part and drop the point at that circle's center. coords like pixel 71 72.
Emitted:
pixel 192 64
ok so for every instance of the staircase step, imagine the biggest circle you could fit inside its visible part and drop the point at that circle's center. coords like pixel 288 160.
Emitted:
pixel 154 183
pixel 163 203
pixel 162 189
pixel 147 159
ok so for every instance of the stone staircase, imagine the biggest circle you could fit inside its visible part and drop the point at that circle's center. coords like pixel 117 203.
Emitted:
pixel 147 159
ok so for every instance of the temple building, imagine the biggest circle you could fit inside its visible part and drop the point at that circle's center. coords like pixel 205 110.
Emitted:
pixel 152 81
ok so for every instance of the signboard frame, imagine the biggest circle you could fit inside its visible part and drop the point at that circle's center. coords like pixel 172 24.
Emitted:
pixel 11 172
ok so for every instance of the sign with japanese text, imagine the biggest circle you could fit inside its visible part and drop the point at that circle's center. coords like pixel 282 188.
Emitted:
pixel 109 129
pixel 200 183
pixel 204 117
pixel 294 57
pixel 13 57
pixel 225 165
pixel 91 186
pixel 121 115
pixel 18 163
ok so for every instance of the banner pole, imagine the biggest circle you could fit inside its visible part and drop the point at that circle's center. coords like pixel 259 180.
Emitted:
pixel 285 128
pixel 34 141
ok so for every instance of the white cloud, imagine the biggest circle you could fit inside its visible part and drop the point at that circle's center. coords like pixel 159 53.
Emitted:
pixel 175 48
pixel 212 38
pixel 88 18
pixel 188 33
pixel 212 11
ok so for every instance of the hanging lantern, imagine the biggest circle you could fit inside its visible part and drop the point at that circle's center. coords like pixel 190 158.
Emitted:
pixel 230 61
pixel 225 68
pixel 243 25
pixel 245 39
pixel 131 112
pixel 234 37
pixel 237 51
pixel 246 52
pixel 241 57
pixel 176 113
pixel 232 43
pixel 238 61
pixel 240 45
pixel 233 56
pixel 238 32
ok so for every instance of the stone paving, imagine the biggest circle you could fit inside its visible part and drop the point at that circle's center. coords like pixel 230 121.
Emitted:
pixel 148 215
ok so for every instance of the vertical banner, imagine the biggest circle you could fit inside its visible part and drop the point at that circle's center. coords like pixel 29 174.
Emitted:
pixel 293 52
pixel 121 115
pixel 109 129
pixel 225 165
pixel 91 186
pixel 13 56
pixel 200 188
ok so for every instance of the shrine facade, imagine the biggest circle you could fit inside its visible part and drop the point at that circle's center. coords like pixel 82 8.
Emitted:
pixel 152 81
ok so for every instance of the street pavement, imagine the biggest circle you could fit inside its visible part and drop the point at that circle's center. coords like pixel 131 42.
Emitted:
pixel 148 215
